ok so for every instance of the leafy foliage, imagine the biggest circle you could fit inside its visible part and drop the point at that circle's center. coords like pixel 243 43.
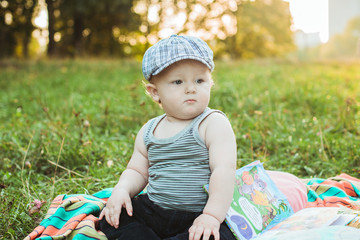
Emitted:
pixel 16 27
pixel 235 28
pixel 87 27
pixel 68 126
pixel 263 30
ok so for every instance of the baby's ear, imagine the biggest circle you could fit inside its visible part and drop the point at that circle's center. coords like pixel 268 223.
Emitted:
pixel 152 91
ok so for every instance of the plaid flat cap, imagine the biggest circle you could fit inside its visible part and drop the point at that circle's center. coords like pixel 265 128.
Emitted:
pixel 173 49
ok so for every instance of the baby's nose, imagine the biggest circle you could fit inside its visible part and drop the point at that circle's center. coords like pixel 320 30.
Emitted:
pixel 190 88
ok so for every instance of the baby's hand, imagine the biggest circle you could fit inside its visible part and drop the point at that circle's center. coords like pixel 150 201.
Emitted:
pixel 118 199
pixel 204 225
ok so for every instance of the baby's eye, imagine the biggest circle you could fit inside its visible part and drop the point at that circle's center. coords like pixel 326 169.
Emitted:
pixel 199 81
pixel 177 82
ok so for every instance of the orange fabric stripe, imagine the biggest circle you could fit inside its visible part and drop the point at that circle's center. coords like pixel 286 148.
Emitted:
pixel 70 225
pixel 36 232
pixel 346 176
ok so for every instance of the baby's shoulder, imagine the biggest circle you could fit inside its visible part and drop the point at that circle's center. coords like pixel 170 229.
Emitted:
pixel 215 123
pixel 214 118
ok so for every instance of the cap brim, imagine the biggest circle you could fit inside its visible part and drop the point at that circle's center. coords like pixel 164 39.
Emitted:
pixel 159 70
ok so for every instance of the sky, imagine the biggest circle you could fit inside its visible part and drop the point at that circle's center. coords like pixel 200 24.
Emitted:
pixel 310 16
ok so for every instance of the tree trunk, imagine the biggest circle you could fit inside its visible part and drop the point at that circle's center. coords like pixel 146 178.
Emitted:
pixel 29 27
pixel 51 44
pixel 77 35
pixel 26 41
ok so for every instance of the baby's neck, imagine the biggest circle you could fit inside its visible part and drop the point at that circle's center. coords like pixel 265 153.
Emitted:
pixel 170 126
pixel 175 120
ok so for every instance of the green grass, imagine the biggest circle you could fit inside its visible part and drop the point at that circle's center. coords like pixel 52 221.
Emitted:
pixel 68 126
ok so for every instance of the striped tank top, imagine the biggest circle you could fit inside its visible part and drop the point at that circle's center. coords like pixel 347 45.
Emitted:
pixel 178 166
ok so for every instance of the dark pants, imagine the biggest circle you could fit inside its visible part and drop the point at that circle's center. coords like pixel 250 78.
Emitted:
pixel 150 221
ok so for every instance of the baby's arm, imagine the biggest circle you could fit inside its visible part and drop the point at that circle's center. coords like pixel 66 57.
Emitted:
pixel 220 140
pixel 131 182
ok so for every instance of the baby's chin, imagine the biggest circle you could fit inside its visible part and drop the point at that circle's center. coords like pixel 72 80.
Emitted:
pixel 190 114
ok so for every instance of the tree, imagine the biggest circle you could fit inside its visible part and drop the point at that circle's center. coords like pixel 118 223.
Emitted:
pixel 263 30
pixel 51 7
pixel 110 19
pixel 7 38
pixel 237 28
pixel 203 18
pixel 88 27
pixel 16 26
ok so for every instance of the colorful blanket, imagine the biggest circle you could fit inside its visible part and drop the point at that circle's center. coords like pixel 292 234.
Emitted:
pixel 341 190
pixel 72 217
pixel 75 216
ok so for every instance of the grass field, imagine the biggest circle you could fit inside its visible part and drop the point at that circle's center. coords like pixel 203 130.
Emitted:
pixel 68 126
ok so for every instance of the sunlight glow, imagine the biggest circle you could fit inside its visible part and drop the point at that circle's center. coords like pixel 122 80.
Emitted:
pixel 4 4
pixel 8 18
pixel 153 14
pixel 140 8
pixel 229 23
pixel 41 20
pixel 311 17
pixel 173 25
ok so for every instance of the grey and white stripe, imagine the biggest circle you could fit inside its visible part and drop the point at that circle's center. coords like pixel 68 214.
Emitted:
pixel 179 166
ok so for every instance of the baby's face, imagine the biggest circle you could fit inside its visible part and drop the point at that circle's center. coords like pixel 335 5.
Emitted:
pixel 184 89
